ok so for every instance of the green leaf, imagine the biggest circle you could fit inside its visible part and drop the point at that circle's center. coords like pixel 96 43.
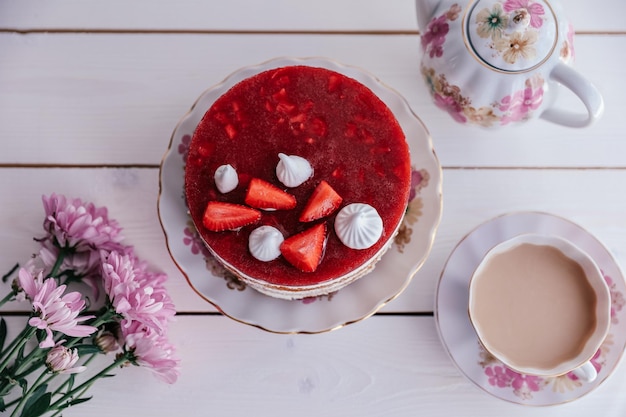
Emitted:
pixel 3 333
pixel 24 384
pixel 80 400
pixel 41 335
pixel 70 382
pixel 75 402
pixel 6 276
pixel 41 389
pixel 38 393
pixel 20 354
pixel 87 349
pixel 3 407
pixel 38 407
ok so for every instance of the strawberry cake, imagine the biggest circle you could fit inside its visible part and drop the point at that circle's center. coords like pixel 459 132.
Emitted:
pixel 297 180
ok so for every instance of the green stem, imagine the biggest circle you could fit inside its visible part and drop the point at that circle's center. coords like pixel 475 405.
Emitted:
pixel 15 340
pixel 8 298
pixel 85 385
pixel 60 388
pixel 58 263
pixel 104 317
pixel 35 354
pixel 16 345
pixel 51 376
pixel 23 370
pixel 28 393
pixel 11 403
pixel 6 276
pixel 8 382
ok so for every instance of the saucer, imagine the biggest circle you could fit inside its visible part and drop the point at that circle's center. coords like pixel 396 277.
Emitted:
pixel 461 342
pixel 353 303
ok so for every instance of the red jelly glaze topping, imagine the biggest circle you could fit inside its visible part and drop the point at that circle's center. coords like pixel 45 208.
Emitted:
pixel 348 135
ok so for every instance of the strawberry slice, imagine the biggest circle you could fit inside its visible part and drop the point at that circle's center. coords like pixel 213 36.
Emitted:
pixel 265 196
pixel 305 250
pixel 322 202
pixel 219 216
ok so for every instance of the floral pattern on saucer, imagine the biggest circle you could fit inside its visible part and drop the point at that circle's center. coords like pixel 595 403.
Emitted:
pixel 524 386
pixel 419 180
pixel 460 339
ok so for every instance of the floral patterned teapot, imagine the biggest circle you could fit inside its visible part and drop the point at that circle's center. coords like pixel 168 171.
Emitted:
pixel 496 62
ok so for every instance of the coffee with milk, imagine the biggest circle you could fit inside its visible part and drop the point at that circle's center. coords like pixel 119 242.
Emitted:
pixel 536 305
pixel 540 305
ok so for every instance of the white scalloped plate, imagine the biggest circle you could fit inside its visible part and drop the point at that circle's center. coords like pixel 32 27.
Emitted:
pixel 355 302
pixel 461 341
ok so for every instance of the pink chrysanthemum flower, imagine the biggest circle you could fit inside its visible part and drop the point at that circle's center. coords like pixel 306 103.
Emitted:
pixel 84 265
pixel 135 293
pixel 152 350
pixel 29 283
pixel 54 311
pixel 80 226
pixel 61 360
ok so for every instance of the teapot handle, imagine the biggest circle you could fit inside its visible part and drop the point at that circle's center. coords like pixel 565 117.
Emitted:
pixel 586 92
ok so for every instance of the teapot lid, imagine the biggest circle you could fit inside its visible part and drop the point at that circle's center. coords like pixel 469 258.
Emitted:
pixel 511 35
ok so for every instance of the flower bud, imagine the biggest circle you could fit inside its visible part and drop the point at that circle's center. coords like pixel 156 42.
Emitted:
pixel 107 342
pixel 62 360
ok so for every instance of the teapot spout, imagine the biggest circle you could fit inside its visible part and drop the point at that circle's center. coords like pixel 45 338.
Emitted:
pixel 425 11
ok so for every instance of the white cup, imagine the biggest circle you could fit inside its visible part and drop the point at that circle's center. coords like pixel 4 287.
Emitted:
pixel 541 306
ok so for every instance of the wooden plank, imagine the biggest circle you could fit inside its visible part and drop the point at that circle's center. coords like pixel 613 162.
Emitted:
pixel 403 371
pixel 592 198
pixel 104 99
pixel 113 99
pixel 242 15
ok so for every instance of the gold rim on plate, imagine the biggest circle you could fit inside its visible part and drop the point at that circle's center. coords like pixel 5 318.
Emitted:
pixel 461 342
pixel 351 304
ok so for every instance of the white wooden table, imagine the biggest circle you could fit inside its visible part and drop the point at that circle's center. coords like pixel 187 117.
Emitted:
pixel 90 92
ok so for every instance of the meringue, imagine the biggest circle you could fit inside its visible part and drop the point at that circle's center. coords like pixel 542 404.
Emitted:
pixel 358 226
pixel 226 178
pixel 293 170
pixel 264 243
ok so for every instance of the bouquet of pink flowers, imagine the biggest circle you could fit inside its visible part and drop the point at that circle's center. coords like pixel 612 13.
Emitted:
pixel 66 330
